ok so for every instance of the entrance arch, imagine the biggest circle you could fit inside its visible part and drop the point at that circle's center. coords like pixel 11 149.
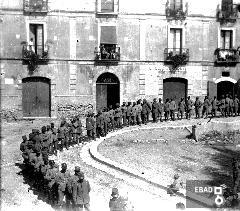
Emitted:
pixel 36 97
pixel 175 88
pixel 107 90
pixel 226 85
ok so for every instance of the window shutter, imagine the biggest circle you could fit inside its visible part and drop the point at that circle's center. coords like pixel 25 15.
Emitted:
pixel 108 35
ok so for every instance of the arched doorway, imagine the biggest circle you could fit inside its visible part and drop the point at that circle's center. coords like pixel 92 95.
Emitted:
pixel 107 90
pixel 36 97
pixel 175 88
pixel 225 87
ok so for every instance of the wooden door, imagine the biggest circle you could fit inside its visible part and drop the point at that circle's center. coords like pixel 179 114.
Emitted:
pixel 36 97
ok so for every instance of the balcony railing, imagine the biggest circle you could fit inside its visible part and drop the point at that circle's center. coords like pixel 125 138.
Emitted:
pixel 35 6
pixel 107 54
pixel 226 56
pixel 228 16
pixel 177 12
pixel 176 56
pixel 37 53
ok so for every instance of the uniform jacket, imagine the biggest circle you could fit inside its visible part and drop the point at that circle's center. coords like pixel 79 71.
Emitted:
pixel 236 102
pixel 145 108
pixel 182 106
pixel 167 106
pixel 129 111
pixel 118 204
pixel 206 103
pixel 214 104
pixel 124 111
pixel 81 192
pixel 118 112
pixel 189 104
pixel 155 107
pixel 62 132
pixel 90 123
pixel 172 105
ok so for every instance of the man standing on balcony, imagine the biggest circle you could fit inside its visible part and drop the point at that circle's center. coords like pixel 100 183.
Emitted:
pixel 31 45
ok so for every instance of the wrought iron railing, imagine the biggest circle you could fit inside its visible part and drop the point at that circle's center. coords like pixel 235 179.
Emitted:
pixel 230 15
pixel 35 6
pixel 177 12
pixel 107 53
pixel 223 56
pixel 176 56
pixel 37 52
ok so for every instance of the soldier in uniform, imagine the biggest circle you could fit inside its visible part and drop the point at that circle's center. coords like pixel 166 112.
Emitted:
pixel 167 109
pixel 139 111
pixel 111 115
pixel 172 107
pixel 45 142
pixel 61 181
pixel 90 126
pixel 155 110
pixel 99 124
pixel 181 108
pixel 144 111
pixel 149 110
pixel 214 107
pixel 23 148
pixel 160 109
pixel 117 117
pixel 128 113
pixel 62 135
pixel 79 130
pixel 222 106
pixel 124 114
pixel 231 105
pixel 69 187
pixel 133 114
pixel 81 190
pixel 50 139
pixel 206 105
pixel 227 105
pixel 54 139
pixel 189 108
pixel 236 105
pixel 105 118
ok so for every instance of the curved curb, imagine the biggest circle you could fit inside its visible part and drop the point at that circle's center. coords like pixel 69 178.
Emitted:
pixel 93 151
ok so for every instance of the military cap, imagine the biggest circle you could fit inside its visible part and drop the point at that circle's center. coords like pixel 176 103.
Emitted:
pixel 114 192
pixel 24 138
pixel 64 165
pixel 176 176
pixel 52 124
pixel 43 129
pixel 77 169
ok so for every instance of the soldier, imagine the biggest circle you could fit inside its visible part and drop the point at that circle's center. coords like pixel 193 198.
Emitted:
pixel 236 104
pixel 68 134
pixel 119 203
pixel 144 111
pixel 149 110
pixel 206 105
pixel 50 139
pixel 222 106
pixel 99 124
pixel 69 187
pixel 231 105
pixel 117 116
pixel 105 118
pixel 90 126
pixel 167 109
pixel 181 108
pixel 81 190
pixel 133 114
pixel 79 130
pixel 54 139
pixel 124 114
pixel 45 144
pixel 37 162
pixel 160 109
pixel 61 181
pixel 139 111
pixel 172 107
pixel 155 110
pixel 214 107
pixel 111 115
pixel 189 108
pixel 51 176
pixel 74 131
pixel 227 105
pixel 62 135
pixel 23 148
pixel 128 113
pixel 37 140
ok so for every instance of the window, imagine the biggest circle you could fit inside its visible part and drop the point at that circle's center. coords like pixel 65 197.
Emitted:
pixel 175 39
pixel 226 41
pixel 35 5
pixel 175 4
pixel 227 5
pixel 36 38
pixel 107 5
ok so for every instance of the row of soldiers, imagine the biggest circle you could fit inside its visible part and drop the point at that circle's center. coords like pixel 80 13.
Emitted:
pixel 48 178
pixel 127 114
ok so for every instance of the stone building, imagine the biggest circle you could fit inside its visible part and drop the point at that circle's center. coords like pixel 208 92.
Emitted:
pixel 100 52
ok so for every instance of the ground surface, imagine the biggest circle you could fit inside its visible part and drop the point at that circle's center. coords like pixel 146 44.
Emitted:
pixel 16 189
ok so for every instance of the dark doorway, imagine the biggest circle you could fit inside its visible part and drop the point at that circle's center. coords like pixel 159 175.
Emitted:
pixel 36 97
pixel 225 87
pixel 107 90
pixel 175 88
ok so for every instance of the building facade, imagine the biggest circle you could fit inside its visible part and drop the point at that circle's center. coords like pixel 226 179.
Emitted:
pixel 103 52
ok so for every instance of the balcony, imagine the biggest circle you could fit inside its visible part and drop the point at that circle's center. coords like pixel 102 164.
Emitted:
pixel 176 56
pixel 228 16
pixel 176 12
pixel 35 6
pixel 226 56
pixel 107 54
pixel 36 54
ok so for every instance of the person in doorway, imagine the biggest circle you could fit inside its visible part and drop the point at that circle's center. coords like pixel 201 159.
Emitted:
pixel 236 105
pixel 31 45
